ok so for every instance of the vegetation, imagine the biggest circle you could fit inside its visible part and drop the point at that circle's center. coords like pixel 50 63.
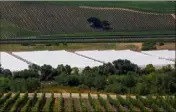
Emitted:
pixel 111 104
pixel 19 102
pixel 8 103
pixel 20 21
pixel 29 103
pixel 39 104
pixel 121 76
pixel 49 104
pixel 147 6
pixel 149 46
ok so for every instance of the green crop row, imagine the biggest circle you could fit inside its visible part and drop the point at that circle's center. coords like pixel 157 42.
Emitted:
pixel 37 106
pixel 49 104
pixel 9 102
pixel 19 102
pixel 29 103
pixel 4 98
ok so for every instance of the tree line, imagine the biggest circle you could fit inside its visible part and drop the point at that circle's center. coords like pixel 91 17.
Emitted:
pixel 120 76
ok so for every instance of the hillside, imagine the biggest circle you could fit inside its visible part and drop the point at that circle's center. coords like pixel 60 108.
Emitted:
pixel 22 19
pixel 146 6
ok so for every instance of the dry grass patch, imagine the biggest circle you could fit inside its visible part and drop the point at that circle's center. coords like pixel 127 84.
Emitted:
pixel 169 46
pixel 72 46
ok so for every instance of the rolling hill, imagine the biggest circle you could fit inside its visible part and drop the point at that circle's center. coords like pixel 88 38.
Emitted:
pixel 19 19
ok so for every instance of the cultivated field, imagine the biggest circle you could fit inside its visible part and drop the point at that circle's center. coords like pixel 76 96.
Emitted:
pixel 20 19
pixel 81 103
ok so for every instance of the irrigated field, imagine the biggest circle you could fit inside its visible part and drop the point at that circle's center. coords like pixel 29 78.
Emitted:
pixel 20 19
pixel 81 103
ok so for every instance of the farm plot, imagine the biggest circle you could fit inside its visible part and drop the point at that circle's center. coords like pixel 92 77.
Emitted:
pixel 39 19
pixel 25 103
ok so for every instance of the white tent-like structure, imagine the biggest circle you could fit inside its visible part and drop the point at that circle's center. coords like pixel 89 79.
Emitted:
pixel 164 54
pixel 54 58
pixel 135 57
pixel 9 62
pixel 81 59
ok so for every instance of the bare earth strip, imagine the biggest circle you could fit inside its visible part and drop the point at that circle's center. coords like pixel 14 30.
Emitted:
pixel 109 8
pixel 74 95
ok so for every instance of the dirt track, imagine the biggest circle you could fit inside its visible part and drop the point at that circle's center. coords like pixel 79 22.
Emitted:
pixel 113 8
pixel 74 95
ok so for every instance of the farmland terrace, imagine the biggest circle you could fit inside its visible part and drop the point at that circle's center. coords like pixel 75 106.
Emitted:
pixel 34 19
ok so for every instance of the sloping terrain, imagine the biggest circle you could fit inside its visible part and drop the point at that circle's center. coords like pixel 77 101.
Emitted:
pixel 37 19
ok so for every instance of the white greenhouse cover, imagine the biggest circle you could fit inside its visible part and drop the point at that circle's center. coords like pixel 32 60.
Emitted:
pixel 54 58
pixel 135 57
pixel 165 54
pixel 9 62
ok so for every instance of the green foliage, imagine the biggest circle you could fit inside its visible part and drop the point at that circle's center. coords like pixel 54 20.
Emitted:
pixel 49 104
pixel 167 68
pixel 25 74
pixel 25 84
pixel 149 68
pixel 4 84
pixel 115 88
pixel 19 102
pixel 149 46
pixel 116 103
pixel 120 77
pixel 83 105
pixel 4 98
pixel 37 106
pixel 95 103
pixel 132 103
pixel 29 103
pixel 9 102
pixel 58 105
pixel 104 103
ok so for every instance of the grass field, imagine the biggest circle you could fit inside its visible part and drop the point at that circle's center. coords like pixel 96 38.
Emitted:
pixel 83 46
pixel 147 6
pixel 71 47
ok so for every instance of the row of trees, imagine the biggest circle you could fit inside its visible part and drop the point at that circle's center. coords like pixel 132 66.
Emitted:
pixel 120 76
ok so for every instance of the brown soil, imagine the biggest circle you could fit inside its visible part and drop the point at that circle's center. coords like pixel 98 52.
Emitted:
pixel 169 46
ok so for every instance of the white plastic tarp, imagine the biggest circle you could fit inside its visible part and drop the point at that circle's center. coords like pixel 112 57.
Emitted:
pixel 135 57
pixel 9 62
pixel 165 54
pixel 54 58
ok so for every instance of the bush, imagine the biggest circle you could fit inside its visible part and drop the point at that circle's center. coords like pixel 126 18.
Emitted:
pixel 47 44
pixel 65 44
pixel 57 44
pixel 149 46
pixel 25 84
pixel 115 88
pixel 149 68
pixel 161 44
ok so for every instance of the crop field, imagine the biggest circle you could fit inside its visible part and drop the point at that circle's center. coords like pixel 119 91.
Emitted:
pixel 22 19
pixel 50 103
pixel 147 6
